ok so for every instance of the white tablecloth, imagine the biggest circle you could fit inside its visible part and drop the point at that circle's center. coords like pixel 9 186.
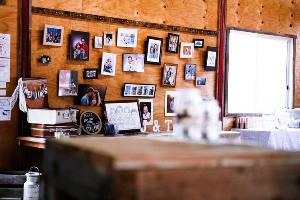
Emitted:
pixel 286 140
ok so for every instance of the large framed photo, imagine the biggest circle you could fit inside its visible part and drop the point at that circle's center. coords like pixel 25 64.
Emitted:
pixel 98 42
pixel 146 111
pixel 79 45
pixel 90 73
pixel 139 90
pixel 170 101
pixel 67 83
pixel 153 50
pixel 211 58
pixel 133 62
pixel 90 95
pixel 108 64
pixel 198 43
pixel 190 72
pixel 109 39
pixel 124 115
pixel 186 50
pixel 169 75
pixel 173 43
pixel 127 37
pixel 53 35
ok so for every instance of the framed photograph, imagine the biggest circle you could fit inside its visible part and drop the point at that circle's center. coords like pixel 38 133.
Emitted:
pixel 139 90
pixel 109 39
pixel 146 111
pixel 90 73
pixel 53 35
pixel 79 45
pixel 169 75
pixel 108 64
pixel 98 42
pixel 90 95
pixel 190 72
pixel 133 62
pixel 170 101
pixel 153 50
pixel 127 37
pixel 198 43
pixel 211 59
pixel 172 43
pixel 186 50
pixel 124 114
pixel 67 83
pixel 200 81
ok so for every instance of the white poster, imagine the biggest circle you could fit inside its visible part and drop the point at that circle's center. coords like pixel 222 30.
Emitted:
pixel 4 70
pixel 4 45
pixel 5 115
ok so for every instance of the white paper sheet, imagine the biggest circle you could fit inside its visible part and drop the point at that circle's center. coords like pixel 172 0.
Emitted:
pixel 4 45
pixel 5 115
pixel 2 92
pixel 4 69
pixel 5 103
pixel 2 84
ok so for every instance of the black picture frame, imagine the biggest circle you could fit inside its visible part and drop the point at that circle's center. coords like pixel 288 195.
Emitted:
pixel 168 43
pixel 76 40
pixel 147 53
pixel 211 59
pixel 132 90
pixel 91 73
pixel 198 40
pixel 2 2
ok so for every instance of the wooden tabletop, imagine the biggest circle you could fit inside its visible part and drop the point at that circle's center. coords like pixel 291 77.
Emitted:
pixel 33 142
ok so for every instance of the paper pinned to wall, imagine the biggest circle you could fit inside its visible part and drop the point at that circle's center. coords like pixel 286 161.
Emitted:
pixel 4 45
pixel 4 70
pixel 5 115
pixel 2 85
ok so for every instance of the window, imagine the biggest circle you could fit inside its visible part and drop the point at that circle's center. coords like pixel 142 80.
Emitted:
pixel 259 73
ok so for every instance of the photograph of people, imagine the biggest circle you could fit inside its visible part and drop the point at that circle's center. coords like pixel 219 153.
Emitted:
pixel 153 51
pixel 169 78
pixel 146 110
pixel 173 42
pixel 186 50
pixel 170 101
pixel 133 62
pixel 190 72
pixel 90 95
pixel 80 46
pixel 108 64
pixel 53 35
pixel 127 37
pixel 91 98
pixel 108 39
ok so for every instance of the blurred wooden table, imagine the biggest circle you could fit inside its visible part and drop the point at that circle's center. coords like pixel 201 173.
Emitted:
pixel 139 168
pixel 33 142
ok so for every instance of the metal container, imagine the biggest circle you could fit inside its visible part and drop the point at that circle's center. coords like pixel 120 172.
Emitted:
pixel 31 186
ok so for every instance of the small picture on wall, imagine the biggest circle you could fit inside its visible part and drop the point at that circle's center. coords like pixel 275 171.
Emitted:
pixel 146 110
pixel 169 75
pixel 170 101
pixel 198 43
pixel 90 73
pixel 98 42
pixel 79 46
pixel 139 90
pixel 127 37
pixel 90 95
pixel 133 62
pixel 108 65
pixel 186 50
pixel 53 35
pixel 153 50
pixel 173 43
pixel 190 72
pixel 211 59
pixel 200 81
pixel 109 39
pixel 67 83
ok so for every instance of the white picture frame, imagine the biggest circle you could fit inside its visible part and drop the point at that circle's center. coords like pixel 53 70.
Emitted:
pixel 108 64
pixel 186 50
pixel 109 39
pixel 53 35
pixel 127 37
pixel 146 111
pixel 133 62
pixel 170 102
pixel 98 42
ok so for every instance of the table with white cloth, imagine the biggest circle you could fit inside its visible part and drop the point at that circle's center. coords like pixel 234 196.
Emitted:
pixel 278 139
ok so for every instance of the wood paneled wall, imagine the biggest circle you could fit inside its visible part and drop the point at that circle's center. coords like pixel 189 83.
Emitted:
pixel 8 129
pixel 181 13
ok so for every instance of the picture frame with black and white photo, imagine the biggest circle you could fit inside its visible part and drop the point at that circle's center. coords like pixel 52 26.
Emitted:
pixel 90 95
pixel 146 111
pixel 172 43
pixel 53 35
pixel 90 73
pixel 139 90
pixel 190 72
pixel 108 64
pixel 169 75
pixel 170 102
pixel 153 50
pixel 67 83
pixel 79 45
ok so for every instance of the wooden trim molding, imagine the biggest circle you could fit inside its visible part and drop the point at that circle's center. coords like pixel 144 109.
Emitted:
pixel 113 20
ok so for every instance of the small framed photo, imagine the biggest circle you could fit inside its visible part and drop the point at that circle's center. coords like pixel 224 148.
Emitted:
pixel 90 73
pixel 146 110
pixel 170 101
pixel 90 95
pixel 172 43
pixel 139 90
pixel 108 64
pixel 133 62
pixel 109 39
pixel 98 42
pixel 186 50
pixel 79 45
pixel 124 114
pixel 153 50
pixel 169 75
pixel 127 37
pixel 200 81
pixel 211 59
pixel 67 83
pixel 198 43
pixel 53 35
pixel 190 72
